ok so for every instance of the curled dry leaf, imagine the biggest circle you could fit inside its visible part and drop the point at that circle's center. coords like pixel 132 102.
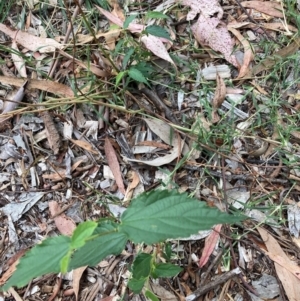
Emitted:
pixel 33 43
pixel 220 93
pixel 52 134
pixel 206 7
pixel 18 60
pixel 133 184
pixel 219 98
pixel 10 106
pixel 208 32
pixel 270 8
pixel 156 46
pixel 114 164
pixel 248 53
pixel 164 131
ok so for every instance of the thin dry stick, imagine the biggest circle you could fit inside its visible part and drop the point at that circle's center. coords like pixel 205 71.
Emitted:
pixel 218 281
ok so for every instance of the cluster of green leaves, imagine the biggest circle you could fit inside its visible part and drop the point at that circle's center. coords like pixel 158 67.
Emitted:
pixel 151 218
pixel 134 63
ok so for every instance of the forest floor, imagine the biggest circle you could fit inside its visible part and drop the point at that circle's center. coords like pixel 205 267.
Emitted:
pixel 101 101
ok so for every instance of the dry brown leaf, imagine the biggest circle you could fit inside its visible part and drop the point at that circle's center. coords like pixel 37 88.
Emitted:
pixel 220 93
pixel 129 191
pixel 19 62
pixel 110 37
pixel 248 53
pixel 153 143
pixel 118 12
pixel 10 106
pixel 270 8
pixel 85 145
pixel 64 224
pixel 16 296
pixel 218 98
pixel 88 66
pixel 163 131
pixel 13 265
pixel 287 271
pixel 279 27
pixel 52 134
pixel 76 280
pixel 113 163
pixel 44 85
pixel 31 42
pixel 269 62
pixel 61 174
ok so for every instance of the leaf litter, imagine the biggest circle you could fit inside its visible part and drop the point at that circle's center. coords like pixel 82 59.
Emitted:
pixel 221 124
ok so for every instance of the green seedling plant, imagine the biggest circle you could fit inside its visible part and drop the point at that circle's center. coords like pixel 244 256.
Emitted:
pixel 150 218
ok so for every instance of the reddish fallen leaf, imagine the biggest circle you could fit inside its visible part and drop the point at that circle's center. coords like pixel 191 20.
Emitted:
pixel 208 31
pixel 64 224
pixel 270 8
pixel 113 163
pixel 210 244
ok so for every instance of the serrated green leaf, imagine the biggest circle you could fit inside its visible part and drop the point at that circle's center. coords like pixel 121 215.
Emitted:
pixel 127 57
pixel 128 20
pixel 142 265
pixel 151 295
pixel 42 259
pixel 165 270
pixel 145 68
pixel 137 75
pixel 136 285
pixel 157 31
pixel 81 233
pixel 156 15
pixel 107 241
pixel 159 215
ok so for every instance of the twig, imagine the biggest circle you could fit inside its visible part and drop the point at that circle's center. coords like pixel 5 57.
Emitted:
pixel 246 177
pixel 218 281
pixel 159 104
